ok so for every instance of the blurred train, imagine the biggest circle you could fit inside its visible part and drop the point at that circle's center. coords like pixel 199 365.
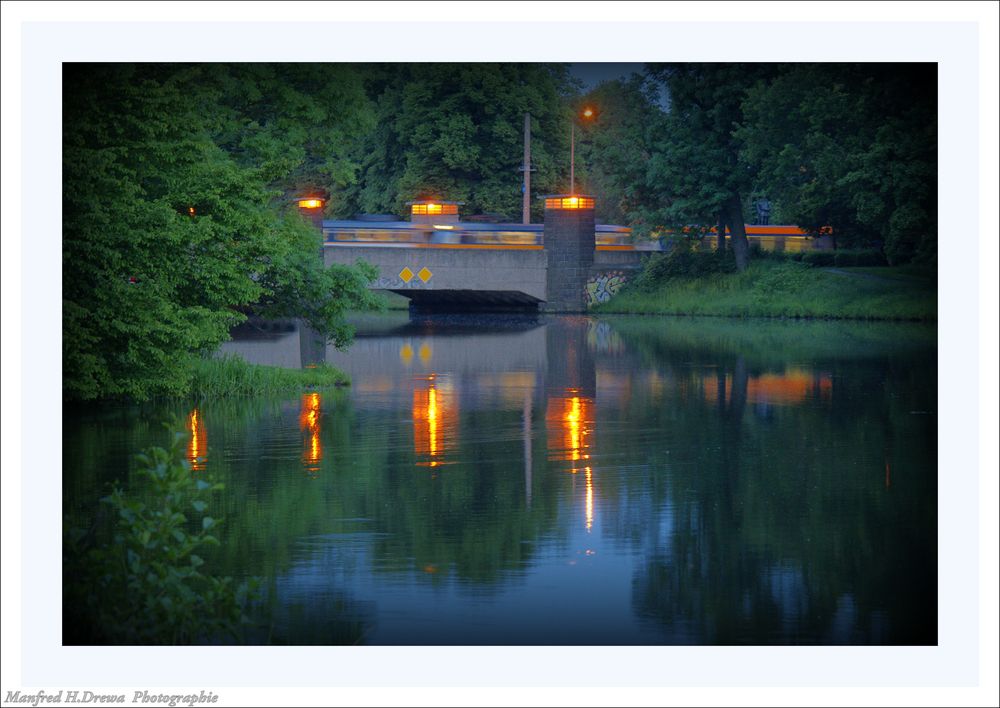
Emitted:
pixel 438 224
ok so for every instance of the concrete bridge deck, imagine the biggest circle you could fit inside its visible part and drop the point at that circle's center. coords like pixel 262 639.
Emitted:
pixel 472 276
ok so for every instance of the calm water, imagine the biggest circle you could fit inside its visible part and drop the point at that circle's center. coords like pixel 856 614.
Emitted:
pixel 515 480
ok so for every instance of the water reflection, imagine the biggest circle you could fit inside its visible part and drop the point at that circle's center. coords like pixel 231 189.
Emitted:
pixel 406 354
pixel 309 417
pixel 682 481
pixel 197 449
pixel 570 421
pixel 590 498
pixel 435 414
pixel 791 387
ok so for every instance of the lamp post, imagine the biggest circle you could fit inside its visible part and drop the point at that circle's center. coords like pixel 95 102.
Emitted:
pixel 587 113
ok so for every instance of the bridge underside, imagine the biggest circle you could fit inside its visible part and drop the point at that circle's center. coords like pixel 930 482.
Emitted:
pixel 462 300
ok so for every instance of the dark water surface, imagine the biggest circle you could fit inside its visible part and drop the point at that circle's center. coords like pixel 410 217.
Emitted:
pixel 558 480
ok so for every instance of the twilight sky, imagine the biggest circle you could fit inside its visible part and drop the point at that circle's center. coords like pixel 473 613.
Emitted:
pixel 593 74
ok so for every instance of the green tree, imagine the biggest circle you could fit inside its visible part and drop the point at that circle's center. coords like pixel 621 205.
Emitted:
pixel 694 165
pixel 853 146
pixel 614 149
pixel 455 132
pixel 299 125
pixel 176 226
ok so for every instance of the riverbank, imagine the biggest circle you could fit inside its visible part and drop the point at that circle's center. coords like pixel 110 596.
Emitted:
pixel 232 376
pixel 786 289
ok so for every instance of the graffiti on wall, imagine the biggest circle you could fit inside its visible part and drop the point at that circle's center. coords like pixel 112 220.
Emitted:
pixel 601 287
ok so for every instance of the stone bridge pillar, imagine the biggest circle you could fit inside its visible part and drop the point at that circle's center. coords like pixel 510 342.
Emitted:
pixel 569 248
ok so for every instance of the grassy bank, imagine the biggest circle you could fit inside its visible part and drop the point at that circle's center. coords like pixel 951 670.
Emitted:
pixel 231 376
pixel 786 289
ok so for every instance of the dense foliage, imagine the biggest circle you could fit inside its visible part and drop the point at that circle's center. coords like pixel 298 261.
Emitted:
pixel 455 132
pixel 176 224
pixel 852 146
pixel 135 576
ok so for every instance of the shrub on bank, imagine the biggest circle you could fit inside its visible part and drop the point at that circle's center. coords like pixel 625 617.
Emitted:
pixel 136 576
pixel 819 259
pixel 682 261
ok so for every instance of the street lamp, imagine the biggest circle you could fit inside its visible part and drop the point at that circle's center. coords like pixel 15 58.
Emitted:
pixel 586 114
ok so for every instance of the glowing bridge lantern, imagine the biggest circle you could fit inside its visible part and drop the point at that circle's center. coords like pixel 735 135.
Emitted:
pixel 310 203
pixel 569 201
pixel 434 212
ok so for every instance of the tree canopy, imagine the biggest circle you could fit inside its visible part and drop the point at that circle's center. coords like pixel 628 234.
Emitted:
pixel 853 146
pixel 454 131
pixel 176 223
pixel 847 146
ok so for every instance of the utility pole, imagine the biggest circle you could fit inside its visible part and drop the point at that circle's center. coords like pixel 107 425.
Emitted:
pixel 572 173
pixel 526 168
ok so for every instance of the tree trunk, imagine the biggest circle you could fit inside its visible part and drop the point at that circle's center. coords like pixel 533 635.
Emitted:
pixel 738 232
pixel 721 233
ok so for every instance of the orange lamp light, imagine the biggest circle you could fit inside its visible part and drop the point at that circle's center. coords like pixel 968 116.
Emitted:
pixel 569 202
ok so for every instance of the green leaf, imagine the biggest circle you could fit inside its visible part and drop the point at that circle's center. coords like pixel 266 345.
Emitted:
pixel 199 506
pixel 207 523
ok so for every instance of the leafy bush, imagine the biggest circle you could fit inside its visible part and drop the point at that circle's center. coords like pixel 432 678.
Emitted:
pixel 759 253
pixel 818 259
pixel 849 259
pixel 136 577
pixel 683 262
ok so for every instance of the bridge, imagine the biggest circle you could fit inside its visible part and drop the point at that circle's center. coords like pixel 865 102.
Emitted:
pixel 565 264
pixel 438 261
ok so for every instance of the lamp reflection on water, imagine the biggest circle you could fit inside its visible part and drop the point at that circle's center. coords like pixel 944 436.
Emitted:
pixel 197 452
pixel 570 423
pixel 309 418
pixel 590 498
pixel 434 420
pixel 569 420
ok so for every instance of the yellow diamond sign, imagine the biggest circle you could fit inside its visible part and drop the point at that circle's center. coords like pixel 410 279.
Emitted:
pixel 425 274
pixel 406 275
